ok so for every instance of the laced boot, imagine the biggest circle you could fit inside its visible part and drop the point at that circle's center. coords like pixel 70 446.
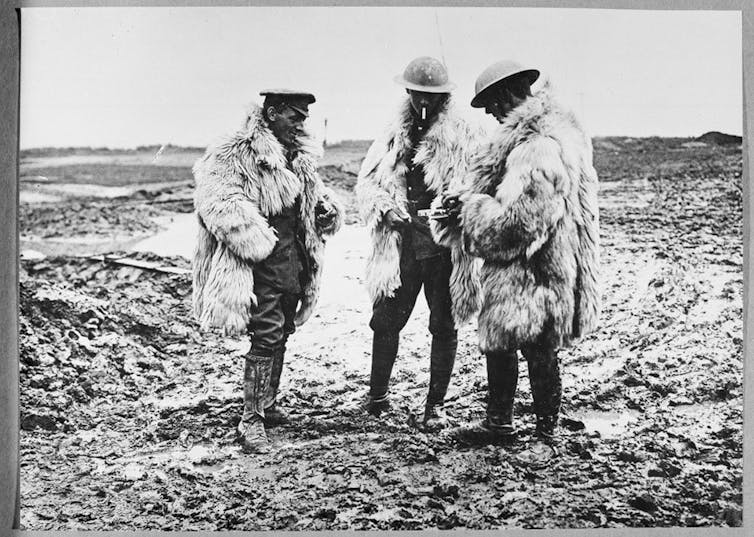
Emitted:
pixel 253 436
pixel 273 414
pixel 441 360
pixel 256 381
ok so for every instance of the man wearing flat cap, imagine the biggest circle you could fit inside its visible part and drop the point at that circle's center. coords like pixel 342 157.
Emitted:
pixel 531 215
pixel 264 215
pixel 424 151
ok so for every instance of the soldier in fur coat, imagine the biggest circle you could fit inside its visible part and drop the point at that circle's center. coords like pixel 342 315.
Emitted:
pixel 531 215
pixel 263 216
pixel 423 153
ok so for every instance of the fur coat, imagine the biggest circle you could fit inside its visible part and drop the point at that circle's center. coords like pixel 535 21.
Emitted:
pixel 239 183
pixel 444 152
pixel 531 214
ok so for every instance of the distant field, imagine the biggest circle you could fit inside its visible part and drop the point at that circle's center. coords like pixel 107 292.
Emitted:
pixel 121 167
pixel 339 165
pixel 107 174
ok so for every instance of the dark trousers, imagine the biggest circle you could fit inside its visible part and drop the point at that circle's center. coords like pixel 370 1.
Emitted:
pixel 544 377
pixel 390 315
pixel 271 319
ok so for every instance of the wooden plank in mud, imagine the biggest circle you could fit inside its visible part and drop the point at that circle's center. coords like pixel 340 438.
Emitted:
pixel 136 263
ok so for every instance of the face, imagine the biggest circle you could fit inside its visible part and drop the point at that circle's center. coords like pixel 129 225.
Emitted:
pixel 428 102
pixel 286 124
pixel 500 103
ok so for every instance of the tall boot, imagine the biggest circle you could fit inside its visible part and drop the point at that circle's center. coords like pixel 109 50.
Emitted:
pixel 256 382
pixel 546 388
pixel 502 378
pixel 441 359
pixel 384 351
pixel 273 414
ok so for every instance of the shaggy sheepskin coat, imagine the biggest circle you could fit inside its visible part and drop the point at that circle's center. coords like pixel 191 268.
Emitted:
pixel 531 214
pixel 239 183
pixel 444 152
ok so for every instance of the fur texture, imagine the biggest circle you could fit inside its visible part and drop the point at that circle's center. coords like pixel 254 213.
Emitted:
pixel 445 153
pixel 531 215
pixel 239 183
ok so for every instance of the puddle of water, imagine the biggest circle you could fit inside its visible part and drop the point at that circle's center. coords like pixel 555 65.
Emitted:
pixel 608 424
pixel 178 239
pixel 26 196
pixel 182 158
pixel 42 192
pixel 75 190
pixel 68 160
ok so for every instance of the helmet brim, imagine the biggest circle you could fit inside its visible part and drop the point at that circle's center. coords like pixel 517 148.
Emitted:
pixel 445 88
pixel 480 98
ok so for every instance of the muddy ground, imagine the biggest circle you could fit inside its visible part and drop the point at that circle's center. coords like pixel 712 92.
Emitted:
pixel 128 413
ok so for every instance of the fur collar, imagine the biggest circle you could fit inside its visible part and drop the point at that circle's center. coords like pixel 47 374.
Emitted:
pixel 255 154
pixel 437 148
pixel 540 114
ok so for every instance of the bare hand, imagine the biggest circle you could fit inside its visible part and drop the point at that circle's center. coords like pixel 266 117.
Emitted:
pixel 452 205
pixel 323 214
pixel 393 220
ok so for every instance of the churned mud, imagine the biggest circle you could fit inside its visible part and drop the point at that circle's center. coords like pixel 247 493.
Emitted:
pixel 128 413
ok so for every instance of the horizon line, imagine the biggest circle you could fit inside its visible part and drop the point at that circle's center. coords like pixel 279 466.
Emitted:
pixel 330 144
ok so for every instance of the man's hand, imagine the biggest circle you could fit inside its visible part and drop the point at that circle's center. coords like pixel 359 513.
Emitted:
pixel 323 214
pixel 394 220
pixel 451 208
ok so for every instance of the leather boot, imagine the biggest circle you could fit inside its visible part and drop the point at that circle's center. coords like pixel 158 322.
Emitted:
pixel 544 375
pixel 441 359
pixel 384 351
pixel 273 414
pixel 497 427
pixel 502 379
pixel 256 382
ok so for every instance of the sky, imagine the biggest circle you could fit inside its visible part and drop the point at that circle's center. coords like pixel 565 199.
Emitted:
pixel 123 77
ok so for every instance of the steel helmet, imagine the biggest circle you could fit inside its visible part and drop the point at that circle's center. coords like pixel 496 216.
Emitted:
pixel 425 74
pixel 495 73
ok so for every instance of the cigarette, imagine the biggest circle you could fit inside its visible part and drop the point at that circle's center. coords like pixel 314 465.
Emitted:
pixel 424 113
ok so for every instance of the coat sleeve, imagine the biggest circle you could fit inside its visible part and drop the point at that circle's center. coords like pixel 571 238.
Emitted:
pixel 372 196
pixel 528 203
pixel 445 232
pixel 231 215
